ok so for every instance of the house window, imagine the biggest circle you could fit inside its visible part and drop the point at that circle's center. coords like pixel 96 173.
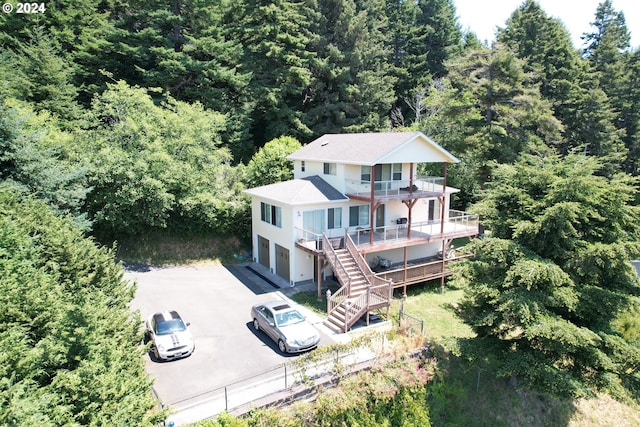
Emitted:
pixel 313 221
pixel 397 171
pixel 389 172
pixel 271 214
pixel 433 210
pixel 302 166
pixel 330 168
pixel 359 216
pixel 334 218
pixel 365 173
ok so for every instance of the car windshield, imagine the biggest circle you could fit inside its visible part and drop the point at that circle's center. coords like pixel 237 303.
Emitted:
pixel 289 318
pixel 170 326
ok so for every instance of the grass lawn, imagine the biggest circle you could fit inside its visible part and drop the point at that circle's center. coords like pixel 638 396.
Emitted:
pixel 470 397
pixel 425 302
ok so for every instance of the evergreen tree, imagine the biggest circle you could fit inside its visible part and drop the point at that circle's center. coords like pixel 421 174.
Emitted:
pixel 499 105
pixel 276 37
pixel 185 47
pixel 543 292
pixel 607 50
pixel 34 70
pixel 352 86
pixel 564 79
pixel 69 343
pixel 632 115
pixel 79 30
pixel 424 36
pixel 36 159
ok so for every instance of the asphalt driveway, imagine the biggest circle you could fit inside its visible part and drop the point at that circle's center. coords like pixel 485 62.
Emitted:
pixel 216 300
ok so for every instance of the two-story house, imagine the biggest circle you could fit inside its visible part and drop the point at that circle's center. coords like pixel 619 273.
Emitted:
pixel 356 202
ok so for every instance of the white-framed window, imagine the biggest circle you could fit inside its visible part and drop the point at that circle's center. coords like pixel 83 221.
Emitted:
pixel 334 218
pixel 359 216
pixel 396 171
pixel 365 173
pixel 313 221
pixel 271 214
pixel 330 168
pixel 389 172
pixel 302 166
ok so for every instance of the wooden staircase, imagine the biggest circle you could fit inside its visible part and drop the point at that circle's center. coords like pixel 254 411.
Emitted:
pixel 361 290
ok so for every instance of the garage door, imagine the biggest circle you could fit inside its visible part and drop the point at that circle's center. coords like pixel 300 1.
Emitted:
pixel 282 262
pixel 263 251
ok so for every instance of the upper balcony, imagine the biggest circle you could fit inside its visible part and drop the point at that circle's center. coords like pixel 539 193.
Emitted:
pixel 458 224
pixel 423 187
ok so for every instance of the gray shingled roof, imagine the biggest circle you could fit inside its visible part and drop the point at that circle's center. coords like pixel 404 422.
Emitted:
pixel 309 190
pixel 363 148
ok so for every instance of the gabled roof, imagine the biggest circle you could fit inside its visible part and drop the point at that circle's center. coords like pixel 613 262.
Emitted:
pixel 369 149
pixel 309 190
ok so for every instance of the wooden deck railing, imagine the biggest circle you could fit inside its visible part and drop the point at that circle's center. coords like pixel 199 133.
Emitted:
pixel 338 268
pixel 374 281
pixel 378 291
pixel 421 272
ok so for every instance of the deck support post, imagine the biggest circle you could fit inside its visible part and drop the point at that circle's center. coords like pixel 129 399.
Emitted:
pixel 319 269
pixel 371 204
pixel 404 289
pixel 444 199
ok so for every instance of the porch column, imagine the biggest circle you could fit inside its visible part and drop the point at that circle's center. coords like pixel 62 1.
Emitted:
pixel 404 289
pixel 371 204
pixel 319 269
pixel 444 198
pixel 410 206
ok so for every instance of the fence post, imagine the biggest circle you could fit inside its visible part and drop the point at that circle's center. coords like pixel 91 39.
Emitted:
pixel 285 377
pixel 328 300
pixel 226 400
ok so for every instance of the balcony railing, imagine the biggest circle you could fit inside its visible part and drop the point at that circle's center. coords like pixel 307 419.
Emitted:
pixel 313 241
pixel 459 223
pixel 421 185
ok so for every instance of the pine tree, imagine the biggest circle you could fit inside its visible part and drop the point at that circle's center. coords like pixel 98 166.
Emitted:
pixel 35 70
pixel 36 159
pixel 424 36
pixel 564 79
pixel 500 106
pixel 352 86
pixel 276 38
pixel 69 343
pixel 607 50
pixel 542 291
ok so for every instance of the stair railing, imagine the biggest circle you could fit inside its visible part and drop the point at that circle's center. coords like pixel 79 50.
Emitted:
pixel 378 284
pixel 340 271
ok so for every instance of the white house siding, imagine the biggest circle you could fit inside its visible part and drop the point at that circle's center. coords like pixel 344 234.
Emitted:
pixel 312 168
pixel 275 235
pixel 415 151
pixel 303 264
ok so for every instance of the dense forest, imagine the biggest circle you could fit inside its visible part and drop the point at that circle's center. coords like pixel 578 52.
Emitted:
pixel 167 102
pixel 119 117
